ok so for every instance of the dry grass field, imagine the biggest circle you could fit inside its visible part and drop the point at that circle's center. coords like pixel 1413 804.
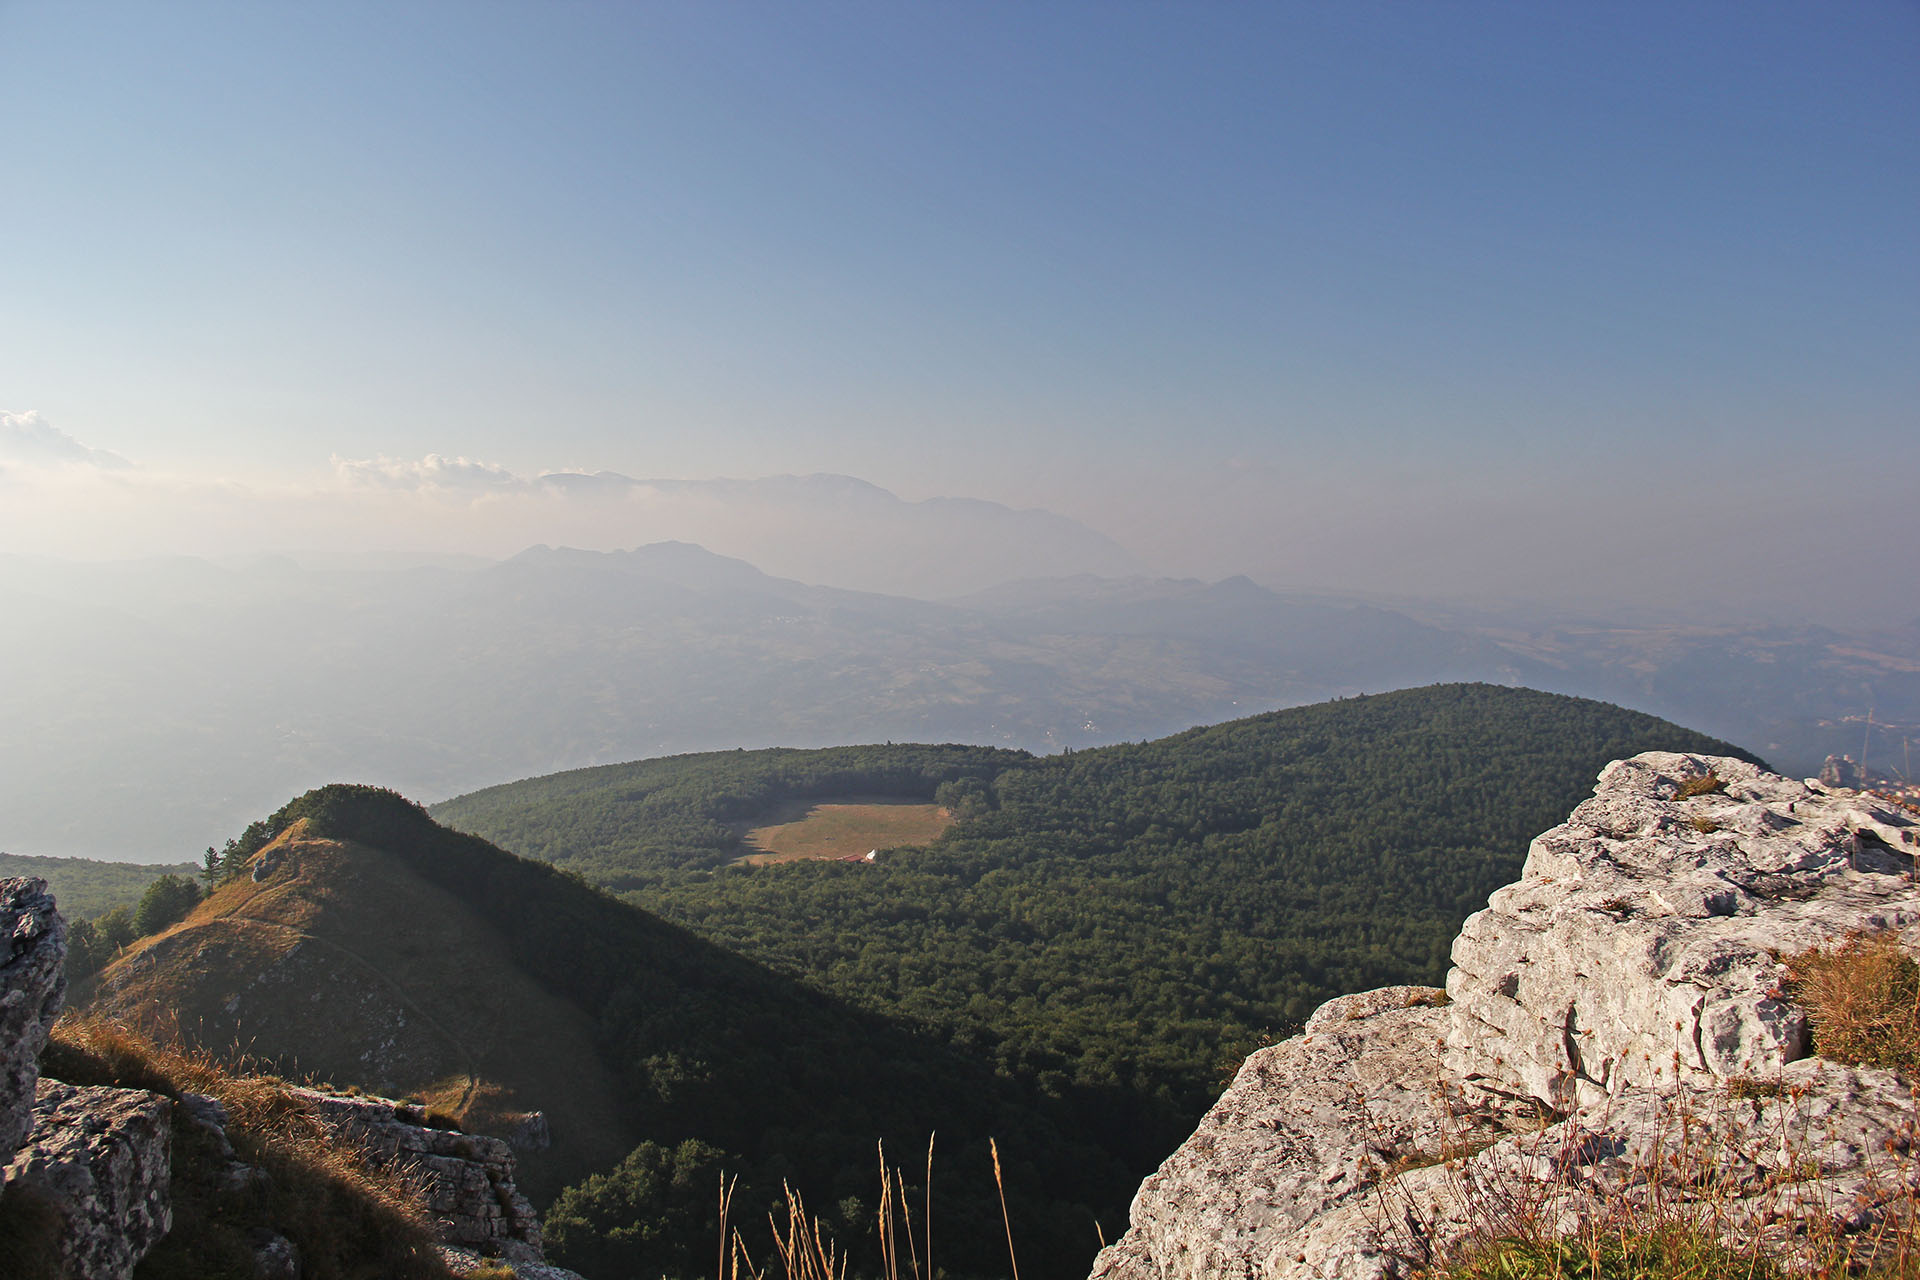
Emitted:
pixel 848 830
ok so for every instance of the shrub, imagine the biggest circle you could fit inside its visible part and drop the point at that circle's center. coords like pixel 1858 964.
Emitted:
pixel 115 928
pixel 1706 784
pixel 165 903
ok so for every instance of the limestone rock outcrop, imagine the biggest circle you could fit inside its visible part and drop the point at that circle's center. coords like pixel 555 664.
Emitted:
pixel 1618 1011
pixel 1645 934
pixel 99 1161
pixel 92 1167
pixel 1306 1126
pixel 33 962
pixel 469 1178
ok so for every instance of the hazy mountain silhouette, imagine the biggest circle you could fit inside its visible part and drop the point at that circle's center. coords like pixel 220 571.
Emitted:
pixel 151 707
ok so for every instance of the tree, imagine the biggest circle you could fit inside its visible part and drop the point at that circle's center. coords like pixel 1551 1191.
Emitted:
pixel 115 929
pixel 654 1213
pixel 87 951
pixel 166 901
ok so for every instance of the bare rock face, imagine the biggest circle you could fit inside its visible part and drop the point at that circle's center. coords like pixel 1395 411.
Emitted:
pixel 1825 1149
pixel 101 1161
pixel 469 1178
pixel 33 960
pixel 1616 1014
pixel 1644 936
pixel 1306 1126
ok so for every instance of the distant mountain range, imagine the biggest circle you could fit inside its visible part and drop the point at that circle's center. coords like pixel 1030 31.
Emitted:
pixel 832 528
pixel 151 708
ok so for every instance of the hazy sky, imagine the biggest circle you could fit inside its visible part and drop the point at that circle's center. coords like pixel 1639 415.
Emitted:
pixel 1604 302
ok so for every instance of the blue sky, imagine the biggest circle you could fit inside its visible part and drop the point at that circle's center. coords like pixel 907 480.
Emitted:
pixel 1212 278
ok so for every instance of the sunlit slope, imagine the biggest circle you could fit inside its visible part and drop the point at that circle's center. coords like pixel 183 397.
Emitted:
pixel 343 963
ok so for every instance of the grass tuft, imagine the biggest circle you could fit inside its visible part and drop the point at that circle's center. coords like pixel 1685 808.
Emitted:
pixel 1706 784
pixel 1670 1251
pixel 1862 1001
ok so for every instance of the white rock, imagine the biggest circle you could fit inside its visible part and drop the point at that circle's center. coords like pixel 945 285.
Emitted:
pixel 100 1161
pixel 1612 994
pixel 33 963
pixel 1307 1125
pixel 1645 935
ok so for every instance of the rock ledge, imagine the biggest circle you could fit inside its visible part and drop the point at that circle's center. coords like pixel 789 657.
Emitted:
pixel 1620 1004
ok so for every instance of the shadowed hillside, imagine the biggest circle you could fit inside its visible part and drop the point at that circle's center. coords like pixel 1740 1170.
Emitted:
pixel 1120 923
pixel 378 948
pixel 342 962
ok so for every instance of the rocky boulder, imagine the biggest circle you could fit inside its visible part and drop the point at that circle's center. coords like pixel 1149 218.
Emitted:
pixel 1646 934
pixel 33 960
pixel 1616 1015
pixel 468 1178
pixel 1307 1126
pixel 98 1163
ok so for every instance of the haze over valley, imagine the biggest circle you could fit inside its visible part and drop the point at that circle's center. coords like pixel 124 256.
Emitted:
pixel 157 706
pixel 601 601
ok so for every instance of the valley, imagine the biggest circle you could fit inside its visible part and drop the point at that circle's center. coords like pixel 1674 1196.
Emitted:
pixel 1107 642
pixel 1061 953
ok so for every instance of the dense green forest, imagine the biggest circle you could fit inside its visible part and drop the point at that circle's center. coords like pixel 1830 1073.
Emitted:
pixel 84 887
pixel 1117 927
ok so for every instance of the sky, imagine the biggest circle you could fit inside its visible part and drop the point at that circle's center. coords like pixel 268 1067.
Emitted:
pixel 1602 306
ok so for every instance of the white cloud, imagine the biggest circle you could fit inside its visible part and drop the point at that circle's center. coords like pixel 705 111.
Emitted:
pixel 29 438
pixel 434 472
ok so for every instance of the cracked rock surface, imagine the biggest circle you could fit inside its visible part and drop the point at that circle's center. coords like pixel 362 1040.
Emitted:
pixel 33 963
pixel 1307 1125
pixel 469 1178
pixel 1645 935
pixel 1622 1004
pixel 100 1160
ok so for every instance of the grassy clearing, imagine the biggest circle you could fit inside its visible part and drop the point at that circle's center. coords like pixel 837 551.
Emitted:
pixel 848 830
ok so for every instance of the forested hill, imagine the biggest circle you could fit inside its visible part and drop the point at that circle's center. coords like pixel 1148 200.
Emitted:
pixel 1122 922
pixel 355 923
pixel 616 823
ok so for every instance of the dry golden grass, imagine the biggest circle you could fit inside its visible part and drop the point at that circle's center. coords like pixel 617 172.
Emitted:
pixel 1706 784
pixel 803 1251
pixel 849 830
pixel 349 1219
pixel 376 951
pixel 1862 1001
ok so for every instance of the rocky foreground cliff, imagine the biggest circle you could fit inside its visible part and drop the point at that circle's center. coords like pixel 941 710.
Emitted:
pixel 91 1172
pixel 1617 1029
